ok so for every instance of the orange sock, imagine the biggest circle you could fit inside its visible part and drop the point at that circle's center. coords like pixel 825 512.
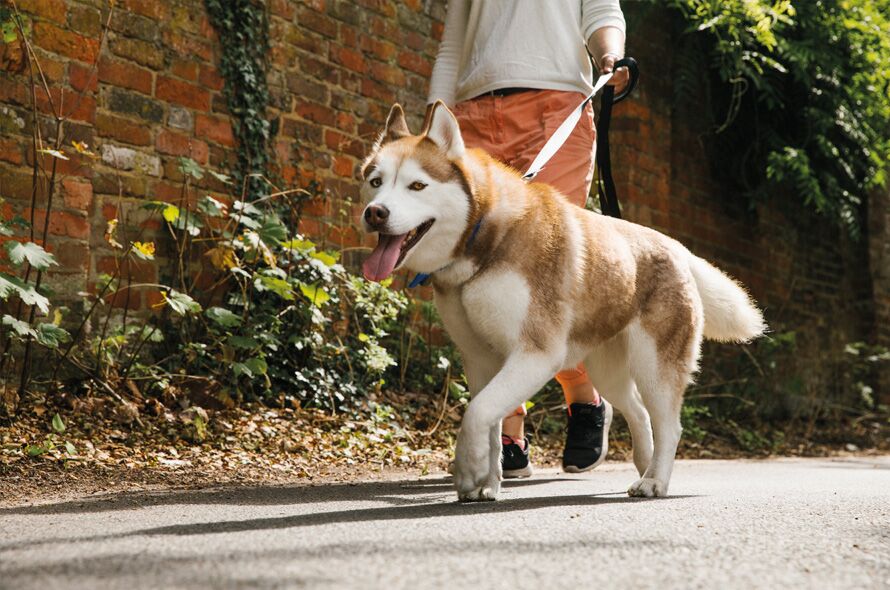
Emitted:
pixel 576 386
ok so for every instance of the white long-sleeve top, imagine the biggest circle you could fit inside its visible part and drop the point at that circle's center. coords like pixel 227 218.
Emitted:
pixel 492 44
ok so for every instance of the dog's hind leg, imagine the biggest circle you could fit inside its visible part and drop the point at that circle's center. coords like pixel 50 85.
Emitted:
pixel 608 368
pixel 661 383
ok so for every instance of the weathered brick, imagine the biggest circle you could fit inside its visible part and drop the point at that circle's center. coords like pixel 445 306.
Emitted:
pixel 389 74
pixel 62 223
pixel 125 75
pixel 15 184
pixel 319 69
pixel 71 255
pixel 63 42
pixel 177 144
pixel 345 11
pixel 216 129
pixel 340 143
pixel 182 93
pixel 122 130
pixel 209 77
pixel 187 70
pixel 383 7
pixel 55 10
pixel 86 20
pixel 114 183
pixel 82 78
pixel 348 58
pixel 77 193
pixel 72 105
pixel 180 118
pixel 54 70
pixel 168 192
pixel 15 93
pixel 134 26
pixel 11 151
pixel 315 21
pixel 282 8
pixel 188 46
pixel 143 53
pixel 382 50
pixel 415 63
pixel 305 88
pixel 316 113
pixel 305 39
pixel 125 158
pixel 124 101
pixel 343 166
pixel 150 8
pixel 376 90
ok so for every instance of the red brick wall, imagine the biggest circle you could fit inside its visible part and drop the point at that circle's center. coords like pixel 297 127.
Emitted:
pixel 336 68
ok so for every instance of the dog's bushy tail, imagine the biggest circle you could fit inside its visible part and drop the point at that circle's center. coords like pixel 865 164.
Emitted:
pixel 730 314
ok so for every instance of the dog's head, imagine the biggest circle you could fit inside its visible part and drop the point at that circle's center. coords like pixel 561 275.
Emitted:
pixel 417 196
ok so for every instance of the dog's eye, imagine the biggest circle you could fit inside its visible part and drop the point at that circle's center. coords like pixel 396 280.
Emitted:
pixel 417 186
pixel 376 182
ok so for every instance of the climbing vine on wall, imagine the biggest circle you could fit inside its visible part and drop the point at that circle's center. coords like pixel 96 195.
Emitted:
pixel 243 30
pixel 799 94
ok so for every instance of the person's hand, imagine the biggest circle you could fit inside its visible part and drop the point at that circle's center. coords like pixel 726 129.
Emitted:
pixel 621 77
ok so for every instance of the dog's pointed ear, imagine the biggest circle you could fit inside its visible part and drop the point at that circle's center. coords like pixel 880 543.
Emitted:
pixel 396 125
pixel 445 132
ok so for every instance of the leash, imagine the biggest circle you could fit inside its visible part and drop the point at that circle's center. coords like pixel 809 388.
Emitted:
pixel 605 184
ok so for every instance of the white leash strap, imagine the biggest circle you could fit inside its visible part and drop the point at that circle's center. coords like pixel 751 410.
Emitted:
pixel 563 132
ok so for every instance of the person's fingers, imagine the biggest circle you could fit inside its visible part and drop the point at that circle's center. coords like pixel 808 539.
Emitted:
pixel 607 63
pixel 620 79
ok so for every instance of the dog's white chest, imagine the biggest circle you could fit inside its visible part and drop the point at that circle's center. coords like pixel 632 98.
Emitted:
pixel 495 306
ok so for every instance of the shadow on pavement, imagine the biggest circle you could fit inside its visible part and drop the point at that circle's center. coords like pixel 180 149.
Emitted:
pixel 407 500
pixel 392 492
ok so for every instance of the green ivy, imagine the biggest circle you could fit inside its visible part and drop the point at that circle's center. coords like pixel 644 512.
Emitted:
pixel 243 30
pixel 799 95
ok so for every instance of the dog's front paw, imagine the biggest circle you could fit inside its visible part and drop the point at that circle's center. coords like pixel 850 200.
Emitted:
pixel 480 494
pixel 472 475
pixel 648 487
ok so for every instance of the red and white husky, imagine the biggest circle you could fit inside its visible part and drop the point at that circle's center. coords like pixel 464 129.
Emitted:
pixel 528 284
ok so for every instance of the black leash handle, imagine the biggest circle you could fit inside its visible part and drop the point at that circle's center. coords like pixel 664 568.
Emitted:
pixel 606 185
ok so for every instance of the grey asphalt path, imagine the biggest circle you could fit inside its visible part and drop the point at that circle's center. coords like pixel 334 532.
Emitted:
pixel 817 523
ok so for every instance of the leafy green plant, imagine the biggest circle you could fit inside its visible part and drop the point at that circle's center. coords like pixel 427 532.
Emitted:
pixel 53 443
pixel 799 93
pixel 282 320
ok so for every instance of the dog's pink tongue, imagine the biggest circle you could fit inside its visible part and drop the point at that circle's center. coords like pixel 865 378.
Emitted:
pixel 382 260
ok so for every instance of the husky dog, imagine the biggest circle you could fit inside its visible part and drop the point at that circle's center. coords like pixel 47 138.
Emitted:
pixel 528 284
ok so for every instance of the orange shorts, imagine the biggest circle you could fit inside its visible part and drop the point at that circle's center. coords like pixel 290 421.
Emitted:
pixel 514 128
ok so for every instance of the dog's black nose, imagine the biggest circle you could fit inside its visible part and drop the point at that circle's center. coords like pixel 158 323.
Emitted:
pixel 376 215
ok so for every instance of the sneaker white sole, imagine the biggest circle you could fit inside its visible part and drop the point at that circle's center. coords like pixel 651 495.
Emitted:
pixel 518 473
pixel 606 426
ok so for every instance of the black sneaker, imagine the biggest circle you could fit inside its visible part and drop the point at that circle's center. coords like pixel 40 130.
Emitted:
pixel 514 459
pixel 587 436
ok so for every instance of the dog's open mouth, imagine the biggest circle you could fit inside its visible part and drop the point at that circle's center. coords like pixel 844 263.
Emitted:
pixel 391 250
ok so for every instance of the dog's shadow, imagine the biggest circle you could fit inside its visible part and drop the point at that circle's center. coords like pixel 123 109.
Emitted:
pixel 406 500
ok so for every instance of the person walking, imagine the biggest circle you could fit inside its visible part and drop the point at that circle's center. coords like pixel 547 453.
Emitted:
pixel 512 71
